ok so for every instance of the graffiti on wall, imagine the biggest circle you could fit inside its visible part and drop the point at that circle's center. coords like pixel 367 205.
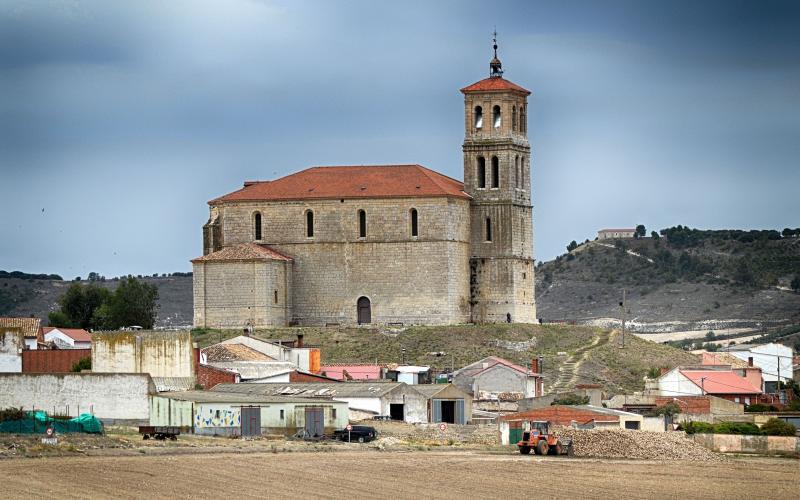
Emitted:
pixel 211 417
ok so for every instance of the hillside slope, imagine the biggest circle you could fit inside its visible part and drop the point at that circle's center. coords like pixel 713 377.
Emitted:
pixel 688 276
pixel 617 370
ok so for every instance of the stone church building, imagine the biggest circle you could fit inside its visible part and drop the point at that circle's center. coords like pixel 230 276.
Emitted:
pixel 383 244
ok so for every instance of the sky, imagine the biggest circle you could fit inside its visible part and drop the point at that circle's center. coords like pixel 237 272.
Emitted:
pixel 120 120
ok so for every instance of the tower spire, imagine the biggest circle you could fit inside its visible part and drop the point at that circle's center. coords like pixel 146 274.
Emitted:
pixel 495 66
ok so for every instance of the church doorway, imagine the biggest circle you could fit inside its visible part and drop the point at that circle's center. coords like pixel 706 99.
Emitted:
pixel 364 311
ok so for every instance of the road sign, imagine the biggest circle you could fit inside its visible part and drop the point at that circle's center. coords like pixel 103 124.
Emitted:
pixel 443 427
pixel 349 427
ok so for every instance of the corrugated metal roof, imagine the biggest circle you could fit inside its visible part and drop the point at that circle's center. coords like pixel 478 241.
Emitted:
pixel 334 389
pixel 234 397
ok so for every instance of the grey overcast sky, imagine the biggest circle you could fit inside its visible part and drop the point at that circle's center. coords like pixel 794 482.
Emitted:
pixel 120 120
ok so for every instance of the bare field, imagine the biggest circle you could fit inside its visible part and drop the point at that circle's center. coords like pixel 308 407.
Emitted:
pixel 412 474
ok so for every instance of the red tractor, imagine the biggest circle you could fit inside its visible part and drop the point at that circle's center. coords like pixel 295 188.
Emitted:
pixel 539 439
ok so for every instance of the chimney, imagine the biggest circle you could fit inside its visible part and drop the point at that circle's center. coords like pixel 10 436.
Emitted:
pixel 750 361
pixel 299 342
pixel 540 364
pixel 196 356
pixel 535 365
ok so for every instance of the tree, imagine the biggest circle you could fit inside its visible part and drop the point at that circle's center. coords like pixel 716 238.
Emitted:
pixel 640 232
pixel 93 276
pixel 78 305
pixel 796 283
pixel 710 335
pixel 778 427
pixel 572 246
pixel 133 303
pixel 654 235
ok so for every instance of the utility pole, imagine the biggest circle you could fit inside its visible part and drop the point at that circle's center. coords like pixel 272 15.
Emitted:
pixel 703 385
pixel 622 306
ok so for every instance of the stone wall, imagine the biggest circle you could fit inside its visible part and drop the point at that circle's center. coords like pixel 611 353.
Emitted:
pixel 111 397
pixel 408 279
pixel 236 294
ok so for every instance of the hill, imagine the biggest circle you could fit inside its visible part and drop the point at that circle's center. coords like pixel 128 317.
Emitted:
pixel 727 279
pixel 31 296
pixel 572 354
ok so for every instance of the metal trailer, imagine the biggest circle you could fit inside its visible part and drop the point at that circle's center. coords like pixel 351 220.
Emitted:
pixel 160 432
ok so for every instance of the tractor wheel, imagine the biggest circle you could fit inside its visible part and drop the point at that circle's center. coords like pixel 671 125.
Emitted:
pixel 542 447
pixel 525 450
pixel 556 450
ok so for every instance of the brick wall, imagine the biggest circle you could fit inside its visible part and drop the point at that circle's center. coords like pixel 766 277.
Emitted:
pixel 688 404
pixel 561 415
pixel 209 376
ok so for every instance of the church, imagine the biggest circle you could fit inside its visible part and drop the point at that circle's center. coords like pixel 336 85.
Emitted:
pixel 384 244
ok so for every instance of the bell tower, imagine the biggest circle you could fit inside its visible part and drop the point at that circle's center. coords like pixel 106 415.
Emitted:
pixel 497 176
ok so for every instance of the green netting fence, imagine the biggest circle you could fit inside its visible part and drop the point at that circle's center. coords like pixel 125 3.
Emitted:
pixel 37 422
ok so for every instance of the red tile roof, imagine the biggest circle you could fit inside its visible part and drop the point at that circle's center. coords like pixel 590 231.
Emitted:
pixel 234 352
pixel 76 334
pixel 494 361
pixel 373 181
pixel 494 85
pixel 243 252
pixel 720 382
pixel 29 326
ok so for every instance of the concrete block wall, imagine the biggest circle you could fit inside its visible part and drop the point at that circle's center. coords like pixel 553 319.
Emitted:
pixel 122 397
pixel 161 354
pixel 762 445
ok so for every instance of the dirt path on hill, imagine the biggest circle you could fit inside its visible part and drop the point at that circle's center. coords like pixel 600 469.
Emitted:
pixel 370 474
pixel 569 371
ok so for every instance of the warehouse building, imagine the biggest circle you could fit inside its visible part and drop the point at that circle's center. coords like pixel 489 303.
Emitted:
pixel 236 414
pixel 394 400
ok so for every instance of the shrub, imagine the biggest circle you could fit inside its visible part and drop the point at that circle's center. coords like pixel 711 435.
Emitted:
pixel 759 408
pixel 698 428
pixel 778 427
pixel 571 400
pixel 737 428
pixel 667 409
pixel 82 364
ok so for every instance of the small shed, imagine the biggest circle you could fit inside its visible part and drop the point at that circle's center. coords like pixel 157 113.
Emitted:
pixel 236 414
pixel 579 416
pixel 447 403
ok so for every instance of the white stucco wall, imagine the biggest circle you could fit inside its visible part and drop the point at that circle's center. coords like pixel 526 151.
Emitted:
pixel 110 396
pixel 11 345
pixel 161 354
pixel 675 384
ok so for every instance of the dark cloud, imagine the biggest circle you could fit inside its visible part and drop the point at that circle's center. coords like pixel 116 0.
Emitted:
pixel 123 118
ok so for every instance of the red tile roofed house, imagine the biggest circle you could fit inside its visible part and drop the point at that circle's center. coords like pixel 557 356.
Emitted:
pixel 67 338
pixel 353 372
pixel 721 382
pixel 498 378
pixel 31 329
pixel 744 369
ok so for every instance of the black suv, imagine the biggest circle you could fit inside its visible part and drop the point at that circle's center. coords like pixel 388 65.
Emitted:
pixel 360 434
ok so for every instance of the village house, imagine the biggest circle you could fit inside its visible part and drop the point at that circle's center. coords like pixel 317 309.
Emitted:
pixel 447 403
pixel 30 328
pixel 67 338
pixel 775 361
pixel 720 381
pixel 493 379
pixel 613 234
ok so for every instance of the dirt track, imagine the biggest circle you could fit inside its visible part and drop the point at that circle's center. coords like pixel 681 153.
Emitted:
pixel 372 474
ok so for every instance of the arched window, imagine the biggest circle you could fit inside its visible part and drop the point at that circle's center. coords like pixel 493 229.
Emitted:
pixel 488 229
pixel 523 120
pixel 513 118
pixel 478 117
pixel 495 172
pixel 481 172
pixel 310 224
pixel 518 172
pixel 414 223
pixel 257 226
pixel 496 118
pixel 362 224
